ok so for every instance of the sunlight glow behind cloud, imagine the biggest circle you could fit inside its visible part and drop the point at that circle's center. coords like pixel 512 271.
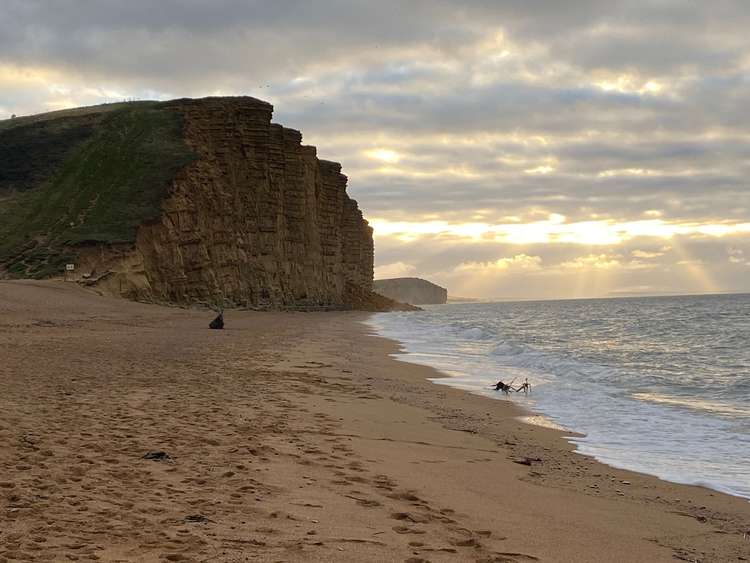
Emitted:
pixel 554 230
pixel 385 155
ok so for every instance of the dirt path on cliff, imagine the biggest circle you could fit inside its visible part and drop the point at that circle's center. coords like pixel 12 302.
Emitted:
pixel 293 437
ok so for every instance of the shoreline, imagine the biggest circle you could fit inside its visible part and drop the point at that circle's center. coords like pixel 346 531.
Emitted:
pixel 687 500
pixel 540 419
pixel 621 450
pixel 296 437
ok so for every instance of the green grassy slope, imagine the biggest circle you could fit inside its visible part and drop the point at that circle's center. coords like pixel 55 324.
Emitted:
pixel 30 154
pixel 82 177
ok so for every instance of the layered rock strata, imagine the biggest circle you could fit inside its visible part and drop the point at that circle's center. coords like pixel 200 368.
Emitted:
pixel 256 220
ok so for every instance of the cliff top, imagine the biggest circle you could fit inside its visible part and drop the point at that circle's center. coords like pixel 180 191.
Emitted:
pixel 96 110
pixel 408 280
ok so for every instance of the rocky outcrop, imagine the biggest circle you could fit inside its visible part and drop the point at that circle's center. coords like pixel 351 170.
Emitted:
pixel 187 201
pixel 415 291
pixel 255 220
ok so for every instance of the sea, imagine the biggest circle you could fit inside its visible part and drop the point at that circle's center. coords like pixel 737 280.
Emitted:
pixel 659 385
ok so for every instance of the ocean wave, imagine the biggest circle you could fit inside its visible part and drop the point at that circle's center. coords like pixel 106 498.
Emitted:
pixel 543 421
pixel 704 405
pixel 505 349
pixel 649 388
pixel 556 366
pixel 475 333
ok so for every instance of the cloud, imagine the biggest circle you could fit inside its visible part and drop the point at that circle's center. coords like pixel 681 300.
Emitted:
pixel 517 263
pixel 490 277
pixel 395 270
pixel 737 256
pixel 463 126
pixel 556 229
pixel 648 255
pixel 592 262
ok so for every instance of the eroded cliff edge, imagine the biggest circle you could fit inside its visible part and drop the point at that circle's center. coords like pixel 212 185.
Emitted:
pixel 254 219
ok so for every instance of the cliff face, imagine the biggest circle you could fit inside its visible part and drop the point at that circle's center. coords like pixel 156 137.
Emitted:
pixel 415 291
pixel 255 219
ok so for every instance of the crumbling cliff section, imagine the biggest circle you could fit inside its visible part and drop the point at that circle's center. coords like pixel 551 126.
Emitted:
pixel 255 220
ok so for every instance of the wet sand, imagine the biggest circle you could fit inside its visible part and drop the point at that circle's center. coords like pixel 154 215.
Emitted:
pixel 294 437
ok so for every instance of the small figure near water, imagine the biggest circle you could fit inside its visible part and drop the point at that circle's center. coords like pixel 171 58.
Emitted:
pixel 508 387
pixel 525 387
pixel 218 322
pixel 504 387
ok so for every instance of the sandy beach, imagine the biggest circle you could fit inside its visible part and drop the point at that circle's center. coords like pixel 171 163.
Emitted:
pixel 295 437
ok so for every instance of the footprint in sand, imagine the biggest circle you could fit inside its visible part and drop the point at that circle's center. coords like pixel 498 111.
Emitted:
pixel 411 517
pixel 407 530
pixel 368 503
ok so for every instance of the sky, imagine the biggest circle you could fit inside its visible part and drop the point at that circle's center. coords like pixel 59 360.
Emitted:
pixel 505 150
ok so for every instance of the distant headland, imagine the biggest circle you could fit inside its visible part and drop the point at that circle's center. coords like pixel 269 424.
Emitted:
pixel 414 291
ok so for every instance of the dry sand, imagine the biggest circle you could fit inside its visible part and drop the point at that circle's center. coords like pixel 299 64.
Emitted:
pixel 294 437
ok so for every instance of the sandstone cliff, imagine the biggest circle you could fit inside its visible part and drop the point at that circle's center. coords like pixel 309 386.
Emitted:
pixel 256 219
pixel 415 291
pixel 253 219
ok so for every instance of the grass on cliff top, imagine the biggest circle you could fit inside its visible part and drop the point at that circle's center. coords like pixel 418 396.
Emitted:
pixel 58 115
pixel 83 179
pixel 33 148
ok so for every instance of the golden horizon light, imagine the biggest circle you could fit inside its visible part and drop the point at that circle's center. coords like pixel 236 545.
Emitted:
pixel 555 230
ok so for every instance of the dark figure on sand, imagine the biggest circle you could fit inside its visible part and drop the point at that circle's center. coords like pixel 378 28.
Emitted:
pixel 504 387
pixel 218 322
pixel 507 388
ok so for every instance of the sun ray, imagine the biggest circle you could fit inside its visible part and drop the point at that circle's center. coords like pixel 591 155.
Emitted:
pixel 695 269
pixel 555 229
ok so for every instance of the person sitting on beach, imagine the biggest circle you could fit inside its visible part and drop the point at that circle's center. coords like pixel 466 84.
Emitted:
pixel 504 387
pixel 218 322
pixel 525 387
